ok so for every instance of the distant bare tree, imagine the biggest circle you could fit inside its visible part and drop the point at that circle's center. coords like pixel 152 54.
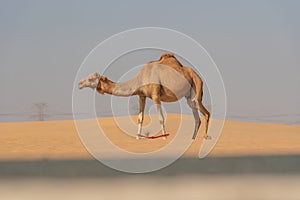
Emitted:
pixel 40 110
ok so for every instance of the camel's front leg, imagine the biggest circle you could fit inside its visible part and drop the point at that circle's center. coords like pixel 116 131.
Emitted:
pixel 142 102
pixel 156 101
pixel 161 120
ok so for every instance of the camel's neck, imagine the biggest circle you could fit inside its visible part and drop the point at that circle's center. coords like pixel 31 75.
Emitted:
pixel 125 89
pixel 118 89
pixel 109 87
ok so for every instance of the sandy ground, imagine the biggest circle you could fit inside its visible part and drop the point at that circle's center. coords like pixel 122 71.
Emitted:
pixel 59 139
pixel 46 160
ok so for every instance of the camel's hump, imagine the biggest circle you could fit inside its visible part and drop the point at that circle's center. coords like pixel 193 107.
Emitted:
pixel 167 55
pixel 168 59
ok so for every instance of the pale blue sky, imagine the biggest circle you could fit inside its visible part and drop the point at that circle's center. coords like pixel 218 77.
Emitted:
pixel 255 44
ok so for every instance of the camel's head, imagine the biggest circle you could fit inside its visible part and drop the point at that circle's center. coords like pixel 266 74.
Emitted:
pixel 103 84
pixel 91 81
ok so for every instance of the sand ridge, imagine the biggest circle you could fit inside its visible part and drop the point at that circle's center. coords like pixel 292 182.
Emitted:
pixel 59 139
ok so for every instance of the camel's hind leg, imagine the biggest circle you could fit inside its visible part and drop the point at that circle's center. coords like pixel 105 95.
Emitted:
pixel 197 122
pixel 196 117
pixel 142 102
pixel 206 114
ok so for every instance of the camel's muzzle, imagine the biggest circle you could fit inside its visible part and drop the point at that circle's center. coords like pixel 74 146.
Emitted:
pixel 80 85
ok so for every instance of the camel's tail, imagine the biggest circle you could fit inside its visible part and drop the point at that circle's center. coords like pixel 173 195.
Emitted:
pixel 197 87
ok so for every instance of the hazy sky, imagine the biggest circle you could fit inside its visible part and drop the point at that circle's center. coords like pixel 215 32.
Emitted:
pixel 255 44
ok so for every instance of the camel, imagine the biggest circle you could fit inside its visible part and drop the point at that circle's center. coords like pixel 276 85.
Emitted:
pixel 163 80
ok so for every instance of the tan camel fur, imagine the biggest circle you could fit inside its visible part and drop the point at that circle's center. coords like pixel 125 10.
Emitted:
pixel 164 80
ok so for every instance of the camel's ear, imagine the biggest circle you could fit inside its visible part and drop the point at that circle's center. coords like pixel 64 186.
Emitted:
pixel 103 78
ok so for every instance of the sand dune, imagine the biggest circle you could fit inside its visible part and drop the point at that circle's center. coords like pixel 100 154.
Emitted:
pixel 46 160
pixel 59 139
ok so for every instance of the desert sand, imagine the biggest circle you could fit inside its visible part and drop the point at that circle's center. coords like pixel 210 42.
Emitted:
pixel 59 139
pixel 46 160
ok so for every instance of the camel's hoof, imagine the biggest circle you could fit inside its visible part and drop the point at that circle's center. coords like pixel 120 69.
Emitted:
pixel 137 137
pixel 164 138
pixel 207 137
